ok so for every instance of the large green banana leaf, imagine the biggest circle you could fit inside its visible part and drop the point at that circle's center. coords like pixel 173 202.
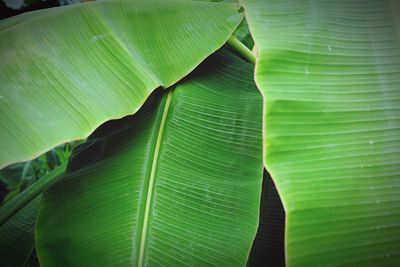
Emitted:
pixel 66 70
pixel 330 75
pixel 16 235
pixel 177 184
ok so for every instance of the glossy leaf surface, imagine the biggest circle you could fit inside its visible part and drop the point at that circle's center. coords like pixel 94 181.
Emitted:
pixel 66 70
pixel 329 74
pixel 177 184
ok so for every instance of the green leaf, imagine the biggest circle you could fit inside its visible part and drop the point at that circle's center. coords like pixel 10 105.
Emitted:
pixel 18 218
pixel 12 206
pixel 17 235
pixel 66 70
pixel 242 33
pixel 329 72
pixel 176 184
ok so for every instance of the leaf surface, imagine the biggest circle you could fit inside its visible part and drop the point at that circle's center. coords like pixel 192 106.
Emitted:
pixel 177 184
pixel 17 235
pixel 329 74
pixel 66 70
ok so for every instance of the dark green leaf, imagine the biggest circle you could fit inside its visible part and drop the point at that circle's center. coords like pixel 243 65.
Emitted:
pixel 177 184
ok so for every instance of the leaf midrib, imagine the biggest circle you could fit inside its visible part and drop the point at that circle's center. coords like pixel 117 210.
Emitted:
pixel 149 196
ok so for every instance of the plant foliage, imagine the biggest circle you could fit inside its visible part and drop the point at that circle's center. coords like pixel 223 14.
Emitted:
pixel 178 183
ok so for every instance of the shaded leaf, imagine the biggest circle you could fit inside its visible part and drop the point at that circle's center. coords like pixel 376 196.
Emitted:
pixel 17 235
pixel 177 184
pixel 242 33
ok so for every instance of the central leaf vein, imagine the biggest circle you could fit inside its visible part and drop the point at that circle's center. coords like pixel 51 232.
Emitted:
pixel 152 178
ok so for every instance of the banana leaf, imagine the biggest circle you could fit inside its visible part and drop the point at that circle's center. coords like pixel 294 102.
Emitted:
pixel 66 70
pixel 17 235
pixel 176 184
pixel 329 74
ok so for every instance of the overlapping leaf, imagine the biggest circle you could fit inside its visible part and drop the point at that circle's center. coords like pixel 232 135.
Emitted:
pixel 177 184
pixel 66 70
pixel 329 73
pixel 17 235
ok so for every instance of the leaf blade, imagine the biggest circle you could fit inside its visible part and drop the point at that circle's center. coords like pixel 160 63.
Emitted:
pixel 17 235
pixel 204 206
pixel 56 75
pixel 328 71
